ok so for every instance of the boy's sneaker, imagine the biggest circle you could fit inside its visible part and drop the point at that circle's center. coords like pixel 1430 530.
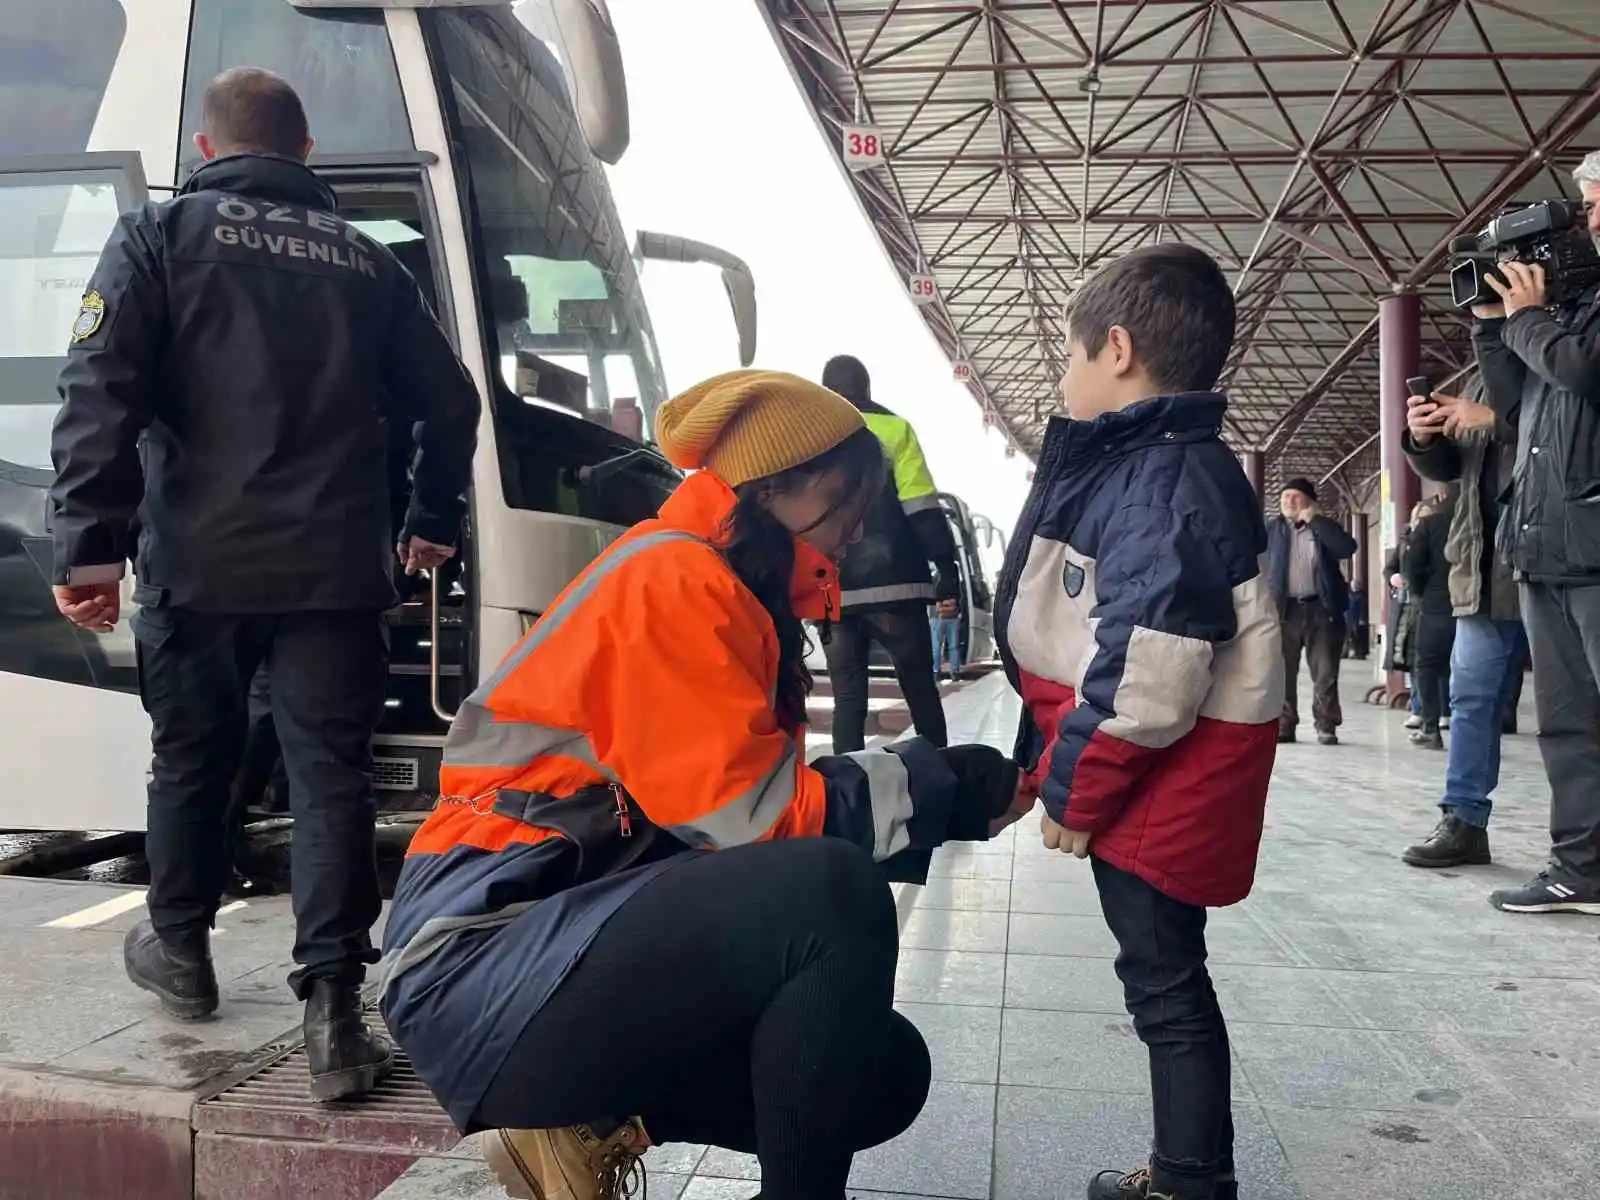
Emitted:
pixel 1327 737
pixel 575 1163
pixel 1135 1185
pixel 1414 721
pixel 1427 739
pixel 1453 843
pixel 1550 892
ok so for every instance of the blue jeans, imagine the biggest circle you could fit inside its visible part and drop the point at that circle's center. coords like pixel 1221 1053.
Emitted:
pixel 1484 668
pixel 946 642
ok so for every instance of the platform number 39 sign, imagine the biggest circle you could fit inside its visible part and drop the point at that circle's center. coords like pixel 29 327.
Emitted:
pixel 924 289
pixel 863 147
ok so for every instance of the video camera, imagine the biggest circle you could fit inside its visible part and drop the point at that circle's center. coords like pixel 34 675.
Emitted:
pixel 1551 233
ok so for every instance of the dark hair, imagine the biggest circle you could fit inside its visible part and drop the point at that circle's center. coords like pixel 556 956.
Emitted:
pixel 247 110
pixel 847 376
pixel 1176 306
pixel 761 552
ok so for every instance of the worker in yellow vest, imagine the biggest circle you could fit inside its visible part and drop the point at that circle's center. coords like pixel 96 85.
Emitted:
pixel 885 584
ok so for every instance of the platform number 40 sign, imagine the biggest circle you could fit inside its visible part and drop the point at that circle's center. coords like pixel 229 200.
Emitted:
pixel 963 372
pixel 924 289
pixel 863 147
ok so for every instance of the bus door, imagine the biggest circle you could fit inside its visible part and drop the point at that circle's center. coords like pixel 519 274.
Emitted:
pixel 56 213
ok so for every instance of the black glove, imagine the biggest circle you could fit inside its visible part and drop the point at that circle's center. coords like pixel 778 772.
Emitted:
pixel 986 785
pixel 947 580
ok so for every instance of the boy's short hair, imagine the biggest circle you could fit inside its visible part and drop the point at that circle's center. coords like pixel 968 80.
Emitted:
pixel 1175 304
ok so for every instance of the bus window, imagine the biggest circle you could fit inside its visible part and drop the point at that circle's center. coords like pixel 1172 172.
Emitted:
pixel 56 58
pixel 341 64
pixel 53 225
pixel 557 282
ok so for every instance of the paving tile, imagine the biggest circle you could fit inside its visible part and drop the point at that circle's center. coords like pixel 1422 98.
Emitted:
pixel 677 1158
pixel 1063 984
pixel 1074 937
pixel 950 977
pixel 1084 1051
pixel 1368 1069
pixel 977 866
pixel 947 929
pixel 963 1040
pixel 964 894
pixel 450 1179
pixel 1066 898
pixel 1342 1155
pixel 1049 1143
pixel 948 1152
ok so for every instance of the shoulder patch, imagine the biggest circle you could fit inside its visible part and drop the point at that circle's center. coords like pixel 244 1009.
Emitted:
pixel 91 313
pixel 1072 578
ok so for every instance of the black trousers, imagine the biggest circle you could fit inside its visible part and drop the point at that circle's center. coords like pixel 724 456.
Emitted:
pixel 902 630
pixel 1161 960
pixel 1430 668
pixel 1564 630
pixel 742 1000
pixel 326 674
pixel 1309 628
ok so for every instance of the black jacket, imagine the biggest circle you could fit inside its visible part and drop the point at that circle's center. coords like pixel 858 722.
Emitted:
pixel 1334 543
pixel 1541 373
pixel 238 362
pixel 1440 460
pixel 1426 570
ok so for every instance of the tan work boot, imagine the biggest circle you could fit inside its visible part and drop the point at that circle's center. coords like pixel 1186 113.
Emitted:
pixel 567 1164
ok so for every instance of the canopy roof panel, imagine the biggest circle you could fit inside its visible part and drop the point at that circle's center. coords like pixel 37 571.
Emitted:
pixel 1325 151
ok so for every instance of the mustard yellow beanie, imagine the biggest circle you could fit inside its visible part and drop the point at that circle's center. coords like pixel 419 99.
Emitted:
pixel 750 424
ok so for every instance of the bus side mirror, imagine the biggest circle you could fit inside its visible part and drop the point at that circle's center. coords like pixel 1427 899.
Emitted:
pixel 592 57
pixel 736 279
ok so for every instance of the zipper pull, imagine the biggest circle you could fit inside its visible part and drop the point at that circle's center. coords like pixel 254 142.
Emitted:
pixel 623 819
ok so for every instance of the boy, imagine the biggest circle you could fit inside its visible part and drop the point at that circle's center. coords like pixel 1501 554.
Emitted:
pixel 944 621
pixel 1136 623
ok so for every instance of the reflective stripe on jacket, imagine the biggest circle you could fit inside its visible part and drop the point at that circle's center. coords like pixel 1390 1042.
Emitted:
pixel 905 529
pixel 639 710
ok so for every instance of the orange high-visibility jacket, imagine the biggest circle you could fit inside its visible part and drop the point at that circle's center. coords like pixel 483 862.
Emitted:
pixel 633 724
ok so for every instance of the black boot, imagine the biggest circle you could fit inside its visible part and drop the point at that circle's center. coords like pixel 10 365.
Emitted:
pixel 347 1059
pixel 185 984
pixel 1453 843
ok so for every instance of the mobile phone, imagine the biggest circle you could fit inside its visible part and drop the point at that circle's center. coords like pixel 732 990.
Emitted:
pixel 1417 385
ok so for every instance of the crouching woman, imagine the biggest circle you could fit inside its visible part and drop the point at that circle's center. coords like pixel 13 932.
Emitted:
pixel 636 915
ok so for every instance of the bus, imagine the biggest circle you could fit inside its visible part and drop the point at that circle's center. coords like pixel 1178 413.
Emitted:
pixel 467 137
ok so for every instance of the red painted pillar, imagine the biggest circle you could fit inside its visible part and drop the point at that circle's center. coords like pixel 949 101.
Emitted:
pixel 1255 469
pixel 1399 358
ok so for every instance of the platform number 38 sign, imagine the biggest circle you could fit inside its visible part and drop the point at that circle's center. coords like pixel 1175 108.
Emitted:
pixel 863 147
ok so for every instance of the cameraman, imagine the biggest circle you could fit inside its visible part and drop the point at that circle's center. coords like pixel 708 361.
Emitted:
pixel 1541 374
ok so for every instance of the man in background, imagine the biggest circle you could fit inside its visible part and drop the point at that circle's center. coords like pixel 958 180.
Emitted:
pixel 1304 549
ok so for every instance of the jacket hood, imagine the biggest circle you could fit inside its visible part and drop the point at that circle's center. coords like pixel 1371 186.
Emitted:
pixel 266 175
pixel 701 505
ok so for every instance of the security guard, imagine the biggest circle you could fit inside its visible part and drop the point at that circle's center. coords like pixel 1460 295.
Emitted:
pixel 884 579
pixel 231 375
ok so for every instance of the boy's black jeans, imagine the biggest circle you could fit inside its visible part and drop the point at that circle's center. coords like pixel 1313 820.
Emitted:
pixel 1161 961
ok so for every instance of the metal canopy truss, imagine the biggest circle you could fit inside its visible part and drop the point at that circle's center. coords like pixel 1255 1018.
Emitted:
pixel 1325 151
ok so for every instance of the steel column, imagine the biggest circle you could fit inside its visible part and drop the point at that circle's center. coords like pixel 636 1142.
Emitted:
pixel 1255 470
pixel 1399 357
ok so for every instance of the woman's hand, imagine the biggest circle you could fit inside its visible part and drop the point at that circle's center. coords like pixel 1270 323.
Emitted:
pixel 1027 795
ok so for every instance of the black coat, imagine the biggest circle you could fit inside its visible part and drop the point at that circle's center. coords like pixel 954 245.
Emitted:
pixel 1426 570
pixel 240 357
pixel 1541 373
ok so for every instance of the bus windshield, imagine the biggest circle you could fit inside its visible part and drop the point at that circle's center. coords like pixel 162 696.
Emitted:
pixel 562 283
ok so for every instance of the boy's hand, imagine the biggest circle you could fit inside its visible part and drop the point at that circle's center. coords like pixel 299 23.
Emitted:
pixel 1068 841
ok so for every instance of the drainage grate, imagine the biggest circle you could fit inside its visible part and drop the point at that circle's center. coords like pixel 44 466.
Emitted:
pixel 395 774
pixel 275 1102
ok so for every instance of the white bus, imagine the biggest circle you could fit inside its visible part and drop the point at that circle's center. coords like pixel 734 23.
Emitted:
pixel 453 133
